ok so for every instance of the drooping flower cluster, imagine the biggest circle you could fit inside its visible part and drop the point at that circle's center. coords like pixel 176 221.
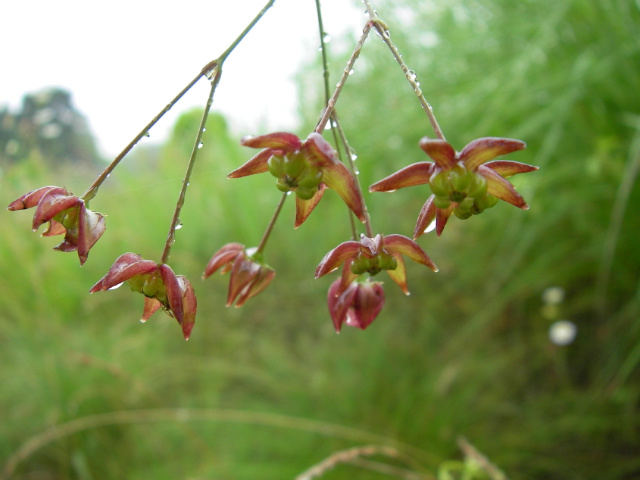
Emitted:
pixel 357 303
pixel 305 168
pixel 161 287
pixel 248 277
pixel 463 183
pixel 66 214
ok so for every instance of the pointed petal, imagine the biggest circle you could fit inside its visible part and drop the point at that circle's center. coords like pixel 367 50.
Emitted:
pixel 416 174
pixel 427 215
pixel 339 304
pixel 318 152
pixel 347 277
pixel 338 178
pixel 368 302
pixel 405 246
pixel 305 207
pixel 256 164
pixel 151 306
pixel 91 226
pixel 279 140
pixel 501 188
pixel 442 215
pixel 507 168
pixel 32 198
pixel 51 204
pixel 222 257
pixel 189 306
pixel 174 293
pixel 484 149
pixel 243 274
pixel 399 275
pixel 54 228
pixel 440 150
pixel 126 266
pixel 262 281
pixel 337 256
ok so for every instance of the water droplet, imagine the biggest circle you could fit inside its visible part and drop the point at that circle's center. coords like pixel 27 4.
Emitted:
pixel 289 192
pixel 411 75
pixel 356 171
pixel 327 126
pixel 351 71
pixel 431 227
pixel 147 134
pixel 326 38
pixel 200 145
pixel 116 286
pixel 204 129
pixel 178 226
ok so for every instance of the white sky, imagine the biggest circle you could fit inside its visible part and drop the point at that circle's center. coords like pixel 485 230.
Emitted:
pixel 124 60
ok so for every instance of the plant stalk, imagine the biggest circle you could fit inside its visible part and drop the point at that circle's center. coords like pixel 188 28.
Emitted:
pixel 274 218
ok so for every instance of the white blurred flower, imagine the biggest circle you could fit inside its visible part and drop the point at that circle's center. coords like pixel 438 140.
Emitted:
pixel 563 332
pixel 553 295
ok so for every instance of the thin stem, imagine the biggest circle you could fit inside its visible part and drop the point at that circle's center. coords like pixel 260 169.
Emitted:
pixel 274 218
pixel 324 53
pixel 93 189
pixel 328 111
pixel 192 160
pixel 383 30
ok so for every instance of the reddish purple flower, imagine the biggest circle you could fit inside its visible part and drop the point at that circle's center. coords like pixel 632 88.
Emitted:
pixel 305 168
pixel 160 286
pixel 463 183
pixel 372 255
pixel 357 306
pixel 249 276
pixel 66 214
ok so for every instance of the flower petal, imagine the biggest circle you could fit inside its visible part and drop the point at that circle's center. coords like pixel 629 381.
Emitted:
pixel 279 140
pixel 416 174
pixel 399 275
pixel 32 198
pixel 442 215
pixel 91 226
pixel 339 304
pixel 367 303
pixel 243 274
pixel 52 203
pixel 507 168
pixel 338 178
pixel 501 188
pixel 484 149
pixel 337 256
pixel 318 152
pixel 405 246
pixel 305 207
pixel 426 216
pixel 223 257
pixel 126 266
pixel 262 281
pixel 256 164
pixel 54 228
pixel 189 306
pixel 440 150
pixel 151 306
pixel 174 292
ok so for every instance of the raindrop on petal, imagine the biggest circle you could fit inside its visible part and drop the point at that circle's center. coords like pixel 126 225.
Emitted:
pixel 116 286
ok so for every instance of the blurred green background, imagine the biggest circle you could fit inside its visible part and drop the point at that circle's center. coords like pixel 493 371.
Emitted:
pixel 269 390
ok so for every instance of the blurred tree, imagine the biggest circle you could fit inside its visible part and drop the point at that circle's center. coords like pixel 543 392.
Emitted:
pixel 49 124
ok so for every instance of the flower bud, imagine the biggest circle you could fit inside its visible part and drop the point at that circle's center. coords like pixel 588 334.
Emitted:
pixel 275 166
pixel 294 164
pixel 439 183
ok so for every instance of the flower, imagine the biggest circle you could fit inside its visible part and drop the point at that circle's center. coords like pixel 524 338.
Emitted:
pixel 305 168
pixel 372 255
pixel 464 183
pixel 358 305
pixel 160 286
pixel 66 214
pixel 249 276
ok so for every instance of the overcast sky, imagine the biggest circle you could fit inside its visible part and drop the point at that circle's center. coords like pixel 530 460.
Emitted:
pixel 124 60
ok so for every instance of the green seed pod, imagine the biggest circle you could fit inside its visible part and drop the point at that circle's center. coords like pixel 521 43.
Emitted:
pixel 387 261
pixel 294 164
pixel 441 202
pixel 311 177
pixel 482 203
pixel 360 265
pixel 460 178
pixel 305 193
pixel 68 218
pixel 478 186
pixel 282 185
pixel 462 215
pixel 457 196
pixel 276 166
pixel 439 183
pixel 153 285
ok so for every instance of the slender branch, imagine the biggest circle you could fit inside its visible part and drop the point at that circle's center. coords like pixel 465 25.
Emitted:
pixel 328 111
pixel 93 189
pixel 267 232
pixel 325 69
pixel 208 70
pixel 383 30
pixel 192 160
